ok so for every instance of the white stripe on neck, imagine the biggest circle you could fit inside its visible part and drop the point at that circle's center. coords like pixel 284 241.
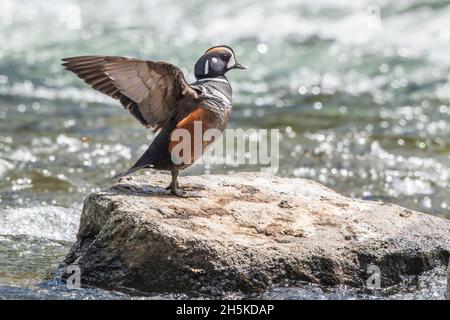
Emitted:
pixel 206 67
pixel 213 79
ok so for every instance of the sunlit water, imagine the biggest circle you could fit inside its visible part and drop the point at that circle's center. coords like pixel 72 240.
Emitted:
pixel 363 105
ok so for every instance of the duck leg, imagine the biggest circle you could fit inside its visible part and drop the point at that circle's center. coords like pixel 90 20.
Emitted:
pixel 174 187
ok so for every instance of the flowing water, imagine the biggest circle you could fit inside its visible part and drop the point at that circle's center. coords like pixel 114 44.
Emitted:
pixel 360 91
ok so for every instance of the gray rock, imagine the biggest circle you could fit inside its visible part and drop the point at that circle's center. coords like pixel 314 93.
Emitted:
pixel 448 282
pixel 247 232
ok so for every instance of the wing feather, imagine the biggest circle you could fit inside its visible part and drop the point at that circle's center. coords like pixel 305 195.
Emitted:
pixel 148 89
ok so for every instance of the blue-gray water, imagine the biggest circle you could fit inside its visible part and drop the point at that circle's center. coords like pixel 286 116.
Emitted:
pixel 363 105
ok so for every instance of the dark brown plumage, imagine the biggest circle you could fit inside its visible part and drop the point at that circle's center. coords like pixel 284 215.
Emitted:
pixel 159 97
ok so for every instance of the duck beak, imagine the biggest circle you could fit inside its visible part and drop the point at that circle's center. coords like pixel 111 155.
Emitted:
pixel 239 66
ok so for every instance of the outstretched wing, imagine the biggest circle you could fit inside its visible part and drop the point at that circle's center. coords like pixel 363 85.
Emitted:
pixel 148 89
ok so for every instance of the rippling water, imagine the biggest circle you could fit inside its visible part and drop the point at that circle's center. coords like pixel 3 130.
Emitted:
pixel 363 105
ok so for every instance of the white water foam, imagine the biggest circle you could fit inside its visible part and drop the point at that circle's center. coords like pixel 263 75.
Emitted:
pixel 48 222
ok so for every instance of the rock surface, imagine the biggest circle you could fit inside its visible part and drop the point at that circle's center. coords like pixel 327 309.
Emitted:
pixel 448 281
pixel 248 231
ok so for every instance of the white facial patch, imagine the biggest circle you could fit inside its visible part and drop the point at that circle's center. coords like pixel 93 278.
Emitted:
pixel 232 61
pixel 214 60
pixel 206 67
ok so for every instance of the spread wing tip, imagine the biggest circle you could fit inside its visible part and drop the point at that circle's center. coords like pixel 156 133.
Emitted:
pixel 81 59
pixel 71 59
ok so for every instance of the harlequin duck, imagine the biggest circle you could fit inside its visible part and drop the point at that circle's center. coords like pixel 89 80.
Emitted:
pixel 158 95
